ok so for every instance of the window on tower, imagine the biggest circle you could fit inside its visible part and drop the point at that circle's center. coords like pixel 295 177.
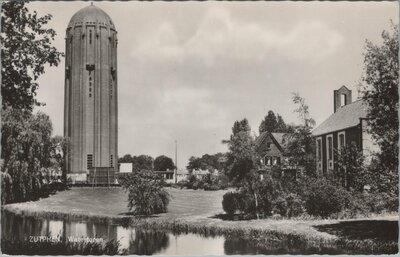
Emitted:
pixel 90 85
pixel 89 161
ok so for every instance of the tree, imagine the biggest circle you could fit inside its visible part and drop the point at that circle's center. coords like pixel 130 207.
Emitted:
pixel 163 163
pixel 281 125
pixel 194 164
pixel 273 124
pixel 27 150
pixel 209 162
pixel 25 50
pixel 146 194
pixel 380 92
pixel 351 169
pixel 240 126
pixel 269 124
pixel 242 156
pixel 142 162
pixel 300 146
pixel 59 152
pixel 127 158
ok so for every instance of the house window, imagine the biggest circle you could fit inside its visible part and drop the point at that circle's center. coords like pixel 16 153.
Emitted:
pixel 319 149
pixel 330 148
pixel 343 100
pixel 341 140
pixel 278 160
pixel 89 160
pixel 268 160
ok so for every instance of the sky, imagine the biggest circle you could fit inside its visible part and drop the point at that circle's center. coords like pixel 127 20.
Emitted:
pixel 188 70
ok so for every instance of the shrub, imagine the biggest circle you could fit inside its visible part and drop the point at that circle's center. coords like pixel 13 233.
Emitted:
pixel 324 198
pixel 6 188
pixel 223 181
pixel 231 202
pixel 146 194
pixel 379 202
pixel 280 206
pixel 295 206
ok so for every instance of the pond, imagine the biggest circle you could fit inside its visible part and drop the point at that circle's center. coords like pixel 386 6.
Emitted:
pixel 159 242
pixel 136 241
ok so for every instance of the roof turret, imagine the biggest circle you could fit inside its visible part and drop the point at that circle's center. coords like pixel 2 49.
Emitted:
pixel 91 15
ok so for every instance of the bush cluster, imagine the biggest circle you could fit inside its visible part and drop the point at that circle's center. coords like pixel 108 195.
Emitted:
pixel 318 197
pixel 42 188
pixel 209 181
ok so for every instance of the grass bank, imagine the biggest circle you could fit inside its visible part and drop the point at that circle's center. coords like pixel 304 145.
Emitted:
pixel 193 211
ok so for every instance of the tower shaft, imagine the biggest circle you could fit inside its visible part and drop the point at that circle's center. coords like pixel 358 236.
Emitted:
pixel 90 108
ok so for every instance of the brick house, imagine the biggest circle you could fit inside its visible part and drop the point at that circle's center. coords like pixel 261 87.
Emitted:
pixel 270 147
pixel 348 124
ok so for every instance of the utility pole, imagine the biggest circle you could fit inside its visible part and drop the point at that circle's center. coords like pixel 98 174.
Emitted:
pixel 176 161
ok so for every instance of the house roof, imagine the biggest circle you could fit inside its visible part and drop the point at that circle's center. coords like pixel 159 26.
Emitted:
pixel 346 116
pixel 276 138
pixel 279 138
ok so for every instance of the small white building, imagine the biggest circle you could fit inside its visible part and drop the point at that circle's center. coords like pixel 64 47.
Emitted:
pixel 125 167
pixel 181 175
pixel 169 175
pixel 201 173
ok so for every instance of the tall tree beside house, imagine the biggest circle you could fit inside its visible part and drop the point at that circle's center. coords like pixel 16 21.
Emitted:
pixel 351 171
pixel 273 123
pixel 240 126
pixel 281 125
pixel 300 145
pixel 242 156
pixel 163 163
pixel 25 50
pixel 380 92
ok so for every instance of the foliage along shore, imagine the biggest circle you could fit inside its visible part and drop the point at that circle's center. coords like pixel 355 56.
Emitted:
pixel 269 241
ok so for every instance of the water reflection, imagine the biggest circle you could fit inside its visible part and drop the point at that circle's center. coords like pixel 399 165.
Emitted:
pixel 151 241
pixel 136 241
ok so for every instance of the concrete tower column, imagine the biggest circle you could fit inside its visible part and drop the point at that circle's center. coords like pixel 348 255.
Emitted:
pixel 90 101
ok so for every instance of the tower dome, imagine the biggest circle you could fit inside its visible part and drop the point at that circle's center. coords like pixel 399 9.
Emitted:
pixel 91 15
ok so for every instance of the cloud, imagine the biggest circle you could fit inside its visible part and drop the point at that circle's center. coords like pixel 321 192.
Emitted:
pixel 218 35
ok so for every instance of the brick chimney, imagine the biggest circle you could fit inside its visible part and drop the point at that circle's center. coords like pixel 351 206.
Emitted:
pixel 341 97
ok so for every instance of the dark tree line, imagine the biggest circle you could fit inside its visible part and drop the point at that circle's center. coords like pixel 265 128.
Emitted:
pixel 146 162
pixel 207 162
